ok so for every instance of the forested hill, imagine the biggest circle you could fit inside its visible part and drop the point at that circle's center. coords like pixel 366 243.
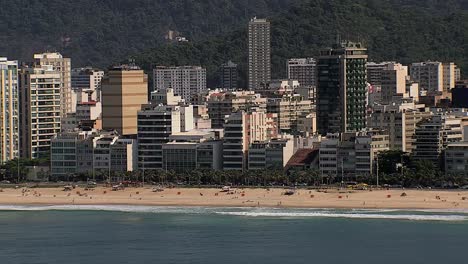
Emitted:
pixel 402 30
pixel 103 32
pixel 100 32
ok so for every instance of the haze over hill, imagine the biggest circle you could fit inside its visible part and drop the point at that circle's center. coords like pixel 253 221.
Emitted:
pixel 100 33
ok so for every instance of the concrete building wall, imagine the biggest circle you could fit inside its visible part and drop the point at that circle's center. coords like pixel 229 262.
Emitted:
pixel 124 91
pixel 41 112
pixel 63 67
pixel 186 81
pixel 9 110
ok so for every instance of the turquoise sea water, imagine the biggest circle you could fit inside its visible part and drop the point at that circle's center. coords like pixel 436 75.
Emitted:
pixel 124 234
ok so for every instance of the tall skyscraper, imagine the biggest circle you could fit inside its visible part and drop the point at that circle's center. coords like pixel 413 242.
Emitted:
pixel 186 81
pixel 259 54
pixel 40 112
pixel 229 76
pixel 124 91
pixel 9 108
pixel 342 87
pixel 63 66
pixel 303 70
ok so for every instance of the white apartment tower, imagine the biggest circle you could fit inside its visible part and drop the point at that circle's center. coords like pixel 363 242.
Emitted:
pixel 259 54
pixel 186 81
pixel 63 66
pixel 9 108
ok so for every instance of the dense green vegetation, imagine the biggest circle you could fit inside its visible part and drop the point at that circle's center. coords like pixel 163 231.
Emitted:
pixel 395 169
pixel 102 32
pixel 405 31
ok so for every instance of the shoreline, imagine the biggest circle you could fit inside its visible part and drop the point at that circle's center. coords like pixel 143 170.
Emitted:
pixel 247 198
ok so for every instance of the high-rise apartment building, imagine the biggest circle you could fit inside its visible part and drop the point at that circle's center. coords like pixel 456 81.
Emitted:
pixel 374 72
pixel 229 76
pixel 290 109
pixel 393 81
pixel 259 54
pixel 186 81
pixel 40 111
pixel 303 70
pixel 434 134
pixel 349 154
pixel 400 120
pixel 449 75
pixel 9 110
pixel 124 91
pixel 63 66
pixel 155 125
pixel 222 104
pixel 342 88
pixel 429 75
pixel 240 130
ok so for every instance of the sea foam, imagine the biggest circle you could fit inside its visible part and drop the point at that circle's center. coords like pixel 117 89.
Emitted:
pixel 390 214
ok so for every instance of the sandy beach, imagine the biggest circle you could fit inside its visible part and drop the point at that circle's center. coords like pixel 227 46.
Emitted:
pixel 391 199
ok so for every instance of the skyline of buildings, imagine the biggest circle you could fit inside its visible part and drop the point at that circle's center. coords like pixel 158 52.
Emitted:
pixel 351 108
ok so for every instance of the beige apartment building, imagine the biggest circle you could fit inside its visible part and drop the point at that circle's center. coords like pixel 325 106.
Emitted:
pixel 449 75
pixel 63 66
pixel 124 91
pixel 393 81
pixel 400 121
pixel 40 112
pixel 289 108
pixel 9 108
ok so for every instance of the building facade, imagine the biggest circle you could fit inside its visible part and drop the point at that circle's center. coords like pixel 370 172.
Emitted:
pixel 456 159
pixel 63 67
pixel 155 125
pixel 303 70
pixel 429 75
pixel 40 111
pixel 186 81
pixel 9 110
pixel 86 84
pixel 259 54
pixel 434 134
pixel 229 76
pixel 124 91
pixel 342 88
pixel 290 108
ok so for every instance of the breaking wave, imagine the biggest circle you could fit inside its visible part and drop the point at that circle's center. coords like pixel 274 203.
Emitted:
pixel 389 214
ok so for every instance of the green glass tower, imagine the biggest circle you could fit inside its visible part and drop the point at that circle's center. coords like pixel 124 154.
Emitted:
pixel 342 88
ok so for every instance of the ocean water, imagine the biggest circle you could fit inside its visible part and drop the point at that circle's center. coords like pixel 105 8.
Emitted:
pixel 145 234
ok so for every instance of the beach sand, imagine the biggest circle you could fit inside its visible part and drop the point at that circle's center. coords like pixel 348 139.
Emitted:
pixel 381 199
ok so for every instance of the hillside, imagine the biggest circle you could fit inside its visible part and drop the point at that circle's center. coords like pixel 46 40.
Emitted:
pixel 402 30
pixel 102 32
